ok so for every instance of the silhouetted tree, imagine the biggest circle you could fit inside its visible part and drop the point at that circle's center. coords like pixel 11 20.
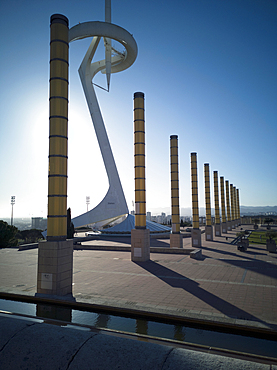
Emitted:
pixel 30 236
pixel 271 234
pixel 268 220
pixel 186 223
pixel 7 235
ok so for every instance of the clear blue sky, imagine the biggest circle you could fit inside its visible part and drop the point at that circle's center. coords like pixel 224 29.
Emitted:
pixel 208 71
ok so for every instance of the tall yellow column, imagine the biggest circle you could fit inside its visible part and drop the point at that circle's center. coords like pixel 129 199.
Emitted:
pixel 217 227
pixel 235 206
pixel 238 206
pixel 223 212
pixel 140 236
pixel 208 227
pixel 196 232
pixel 229 222
pixel 139 148
pixel 176 239
pixel 55 256
pixel 58 121
pixel 232 206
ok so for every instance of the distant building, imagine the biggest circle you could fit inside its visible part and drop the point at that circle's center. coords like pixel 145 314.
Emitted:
pixel 148 216
pixel 154 218
pixel 161 219
pixel 39 223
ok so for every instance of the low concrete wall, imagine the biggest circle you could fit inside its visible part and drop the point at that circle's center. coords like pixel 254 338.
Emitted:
pixel 34 344
pixel 24 247
pixel 117 248
pixel 128 249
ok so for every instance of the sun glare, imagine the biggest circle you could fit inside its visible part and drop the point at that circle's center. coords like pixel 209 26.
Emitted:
pixel 86 171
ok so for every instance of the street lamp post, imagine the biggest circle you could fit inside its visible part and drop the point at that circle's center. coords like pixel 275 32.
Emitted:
pixel 87 202
pixel 12 203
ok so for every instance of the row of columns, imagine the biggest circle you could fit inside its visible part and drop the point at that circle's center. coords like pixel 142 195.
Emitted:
pixel 233 213
pixel 221 225
pixel 140 236
pixel 55 256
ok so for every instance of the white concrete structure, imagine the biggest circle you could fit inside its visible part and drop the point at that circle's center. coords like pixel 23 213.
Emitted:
pixel 114 204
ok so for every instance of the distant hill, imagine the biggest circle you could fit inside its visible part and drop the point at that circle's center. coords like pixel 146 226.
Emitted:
pixel 257 210
pixel 244 210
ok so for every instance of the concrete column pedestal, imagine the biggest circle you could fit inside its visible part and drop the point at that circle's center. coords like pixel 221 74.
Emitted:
pixel 55 268
pixel 209 232
pixel 196 238
pixel 224 227
pixel 176 240
pixel 217 230
pixel 140 245
pixel 229 226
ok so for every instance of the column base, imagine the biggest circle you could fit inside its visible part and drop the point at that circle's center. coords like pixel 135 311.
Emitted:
pixel 196 238
pixel 224 227
pixel 140 245
pixel 229 226
pixel 176 240
pixel 209 232
pixel 233 224
pixel 55 268
pixel 217 230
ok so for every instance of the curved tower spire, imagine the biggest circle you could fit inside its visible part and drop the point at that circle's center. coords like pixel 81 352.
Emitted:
pixel 114 204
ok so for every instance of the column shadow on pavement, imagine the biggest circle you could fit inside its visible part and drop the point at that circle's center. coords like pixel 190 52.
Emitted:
pixel 253 264
pixel 177 280
pixel 241 255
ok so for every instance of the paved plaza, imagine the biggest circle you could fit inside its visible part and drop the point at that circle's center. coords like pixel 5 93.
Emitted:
pixel 226 285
